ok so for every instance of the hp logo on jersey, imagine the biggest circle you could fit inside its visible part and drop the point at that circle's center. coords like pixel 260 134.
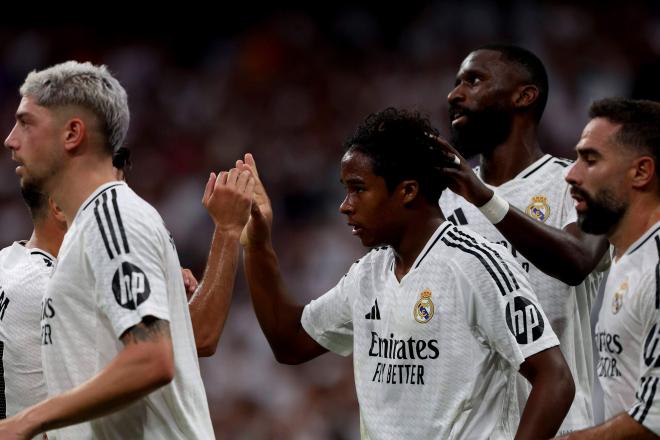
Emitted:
pixel 524 320
pixel 130 286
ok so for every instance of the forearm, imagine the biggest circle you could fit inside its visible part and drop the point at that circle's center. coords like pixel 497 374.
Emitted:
pixel 548 403
pixel 209 305
pixel 554 251
pixel 278 315
pixel 621 427
pixel 133 373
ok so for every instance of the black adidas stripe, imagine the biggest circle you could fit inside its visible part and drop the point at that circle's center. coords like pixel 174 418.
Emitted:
pixel 432 244
pixel 102 229
pixel 108 219
pixel 97 196
pixel 119 222
pixel 648 402
pixel 487 253
pixel 499 257
pixel 115 227
pixel 481 259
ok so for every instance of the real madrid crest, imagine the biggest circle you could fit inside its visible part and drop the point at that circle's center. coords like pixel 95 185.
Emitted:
pixel 423 311
pixel 617 302
pixel 539 209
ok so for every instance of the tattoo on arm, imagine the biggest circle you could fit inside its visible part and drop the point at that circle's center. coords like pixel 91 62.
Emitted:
pixel 149 330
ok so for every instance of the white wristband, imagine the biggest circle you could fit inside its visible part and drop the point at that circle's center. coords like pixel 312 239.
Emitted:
pixel 495 209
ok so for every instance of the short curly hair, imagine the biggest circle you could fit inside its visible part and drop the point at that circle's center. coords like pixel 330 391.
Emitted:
pixel 401 146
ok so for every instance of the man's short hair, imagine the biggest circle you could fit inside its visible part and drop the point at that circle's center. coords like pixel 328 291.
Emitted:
pixel 399 145
pixel 639 120
pixel 529 64
pixel 85 85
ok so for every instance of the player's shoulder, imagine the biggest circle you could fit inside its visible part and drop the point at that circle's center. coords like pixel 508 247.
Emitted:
pixel 481 261
pixel 645 252
pixel 547 167
pixel 117 204
pixel 376 257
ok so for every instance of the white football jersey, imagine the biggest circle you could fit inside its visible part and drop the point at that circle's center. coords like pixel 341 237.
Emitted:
pixel 117 265
pixel 628 333
pixel 541 192
pixel 435 354
pixel 23 276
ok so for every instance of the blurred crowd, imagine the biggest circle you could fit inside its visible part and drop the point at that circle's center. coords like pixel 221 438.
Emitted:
pixel 289 86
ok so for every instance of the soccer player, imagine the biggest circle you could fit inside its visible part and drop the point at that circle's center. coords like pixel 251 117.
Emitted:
pixel 617 192
pixel 439 321
pixel 25 268
pixel 117 343
pixel 517 197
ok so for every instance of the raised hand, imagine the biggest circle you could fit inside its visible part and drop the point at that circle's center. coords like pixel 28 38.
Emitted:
pixel 228 199
pixel 258 228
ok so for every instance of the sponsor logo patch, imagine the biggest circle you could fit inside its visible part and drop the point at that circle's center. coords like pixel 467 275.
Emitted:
pixel 130 286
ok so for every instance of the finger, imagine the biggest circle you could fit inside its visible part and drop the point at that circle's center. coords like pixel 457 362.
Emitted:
pixel 209 188
pixel 242 181
pixel 249 188
pixel 232 177
pixel 249 160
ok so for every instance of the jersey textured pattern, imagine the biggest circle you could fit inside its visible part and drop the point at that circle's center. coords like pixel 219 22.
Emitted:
pixel 628 333
pixel 541 192
pixel 23 277
pixel 436 353
pixel 117 265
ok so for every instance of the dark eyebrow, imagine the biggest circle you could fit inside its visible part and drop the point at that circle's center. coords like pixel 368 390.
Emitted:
pixel 352 181
pixel 583 151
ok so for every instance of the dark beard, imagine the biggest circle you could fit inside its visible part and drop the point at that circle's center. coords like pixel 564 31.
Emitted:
pixel 603 212
pixel 35 200
pixel 484 131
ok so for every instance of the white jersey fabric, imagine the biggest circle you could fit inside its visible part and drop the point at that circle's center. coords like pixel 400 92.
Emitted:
pixel 23 276
pixel 436 353
pixel 628 333
pixel 541 192
pixel 117 265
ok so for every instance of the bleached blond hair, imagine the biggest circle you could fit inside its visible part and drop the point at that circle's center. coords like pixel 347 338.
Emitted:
pixel 88 86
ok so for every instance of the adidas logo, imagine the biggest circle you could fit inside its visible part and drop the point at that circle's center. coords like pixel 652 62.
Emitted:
pixel 375 312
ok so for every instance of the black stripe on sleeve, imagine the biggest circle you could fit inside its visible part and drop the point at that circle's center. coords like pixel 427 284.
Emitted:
pixel 481 259
pixel 111 225
pixel 122 231
pixel 96 196
pixel 649 400
pixel 499 257
pixel 485 252
pixel 102 229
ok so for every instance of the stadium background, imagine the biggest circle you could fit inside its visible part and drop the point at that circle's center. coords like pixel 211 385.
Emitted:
pixel 289 83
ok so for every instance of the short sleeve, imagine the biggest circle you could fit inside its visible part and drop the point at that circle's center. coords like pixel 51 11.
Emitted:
pixel 125 252
pixel 329 318
pixel 646 409
pixel 503 309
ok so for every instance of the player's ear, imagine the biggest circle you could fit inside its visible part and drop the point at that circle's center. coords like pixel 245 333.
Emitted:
pixel 56 211
pixel 643 171
pixel 525 96
pixel 409 189
pixel 74 133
